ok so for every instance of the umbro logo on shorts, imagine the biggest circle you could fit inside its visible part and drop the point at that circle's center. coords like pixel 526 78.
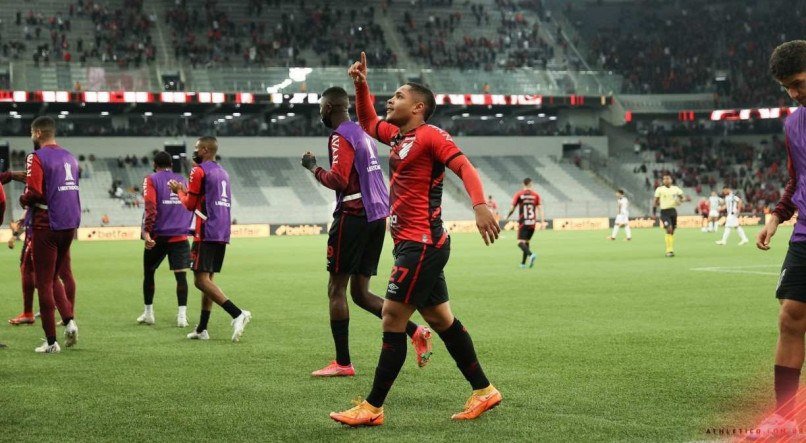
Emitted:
pixel 393 288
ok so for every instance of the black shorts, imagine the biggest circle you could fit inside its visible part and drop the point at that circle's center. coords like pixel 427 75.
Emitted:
pixel 178 254
pixel 417 276
pixel 792 281
pixel 525 232
pixel 207 256
pixel 668 218
pixel 354 246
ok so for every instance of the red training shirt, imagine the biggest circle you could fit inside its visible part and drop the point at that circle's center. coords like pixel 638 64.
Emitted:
pixel 342 176
pixel 150 198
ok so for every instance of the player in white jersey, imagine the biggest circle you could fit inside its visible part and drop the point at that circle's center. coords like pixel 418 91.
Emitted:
pixel 623 217
pixel 714 203
pixel 733 206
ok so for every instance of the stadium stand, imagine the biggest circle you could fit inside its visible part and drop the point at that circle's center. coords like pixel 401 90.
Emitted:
pixel 673 47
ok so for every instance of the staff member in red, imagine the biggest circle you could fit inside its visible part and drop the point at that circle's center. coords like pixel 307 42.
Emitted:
pixel 51 192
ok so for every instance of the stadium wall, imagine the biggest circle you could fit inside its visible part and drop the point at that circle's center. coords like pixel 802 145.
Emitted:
pixel 110 147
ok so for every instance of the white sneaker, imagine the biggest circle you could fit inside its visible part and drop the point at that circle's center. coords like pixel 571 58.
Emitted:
pixel 239 323
pixel 203 335
pixel 720 242
pixel 181 320
pixel 48 349
pixel 71 334
pixel 743 242
pixel 775 425
pixel 146 318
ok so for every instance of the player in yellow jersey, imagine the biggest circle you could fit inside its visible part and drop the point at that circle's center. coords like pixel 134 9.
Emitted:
pixel 667 198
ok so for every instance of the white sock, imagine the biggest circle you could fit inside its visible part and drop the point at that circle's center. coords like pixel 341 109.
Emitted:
pixel 741 233
pixel 726 235
pixel 615 231
pixel 149 309
pixel 628 231
pixel 710 226
pixel 183 311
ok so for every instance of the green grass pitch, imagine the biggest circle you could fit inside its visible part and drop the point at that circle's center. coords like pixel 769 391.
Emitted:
pixel 600 341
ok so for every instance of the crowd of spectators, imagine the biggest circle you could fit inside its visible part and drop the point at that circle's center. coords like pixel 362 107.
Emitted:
pixel 211 36
pixel 682 47
pixel 756 171
pixel 453 40
pixel 120 34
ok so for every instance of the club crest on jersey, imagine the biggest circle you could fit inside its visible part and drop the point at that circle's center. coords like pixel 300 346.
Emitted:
pixel 405 147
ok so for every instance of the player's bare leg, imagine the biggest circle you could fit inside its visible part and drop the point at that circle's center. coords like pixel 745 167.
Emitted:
pixel 366 300
pixel 459 344
pixel 339 327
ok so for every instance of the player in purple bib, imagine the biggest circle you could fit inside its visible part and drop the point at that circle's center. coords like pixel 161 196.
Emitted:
pixel 166 223
pixel 355 240
pixel 788 67
pixel 51 193
pixel 209 195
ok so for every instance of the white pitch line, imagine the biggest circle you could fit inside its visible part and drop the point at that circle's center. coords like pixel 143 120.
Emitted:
pixel 738 269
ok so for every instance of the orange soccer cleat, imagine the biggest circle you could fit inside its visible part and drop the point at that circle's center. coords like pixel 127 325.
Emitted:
pixel 479 402
pixel 26 318
pixel 362 415
pixel 422 345
pixel 335 370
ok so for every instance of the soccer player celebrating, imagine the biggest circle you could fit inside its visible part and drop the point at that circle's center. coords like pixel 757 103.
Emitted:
pixel 355 240
pixel 788 67
pixel 668 197
pixel 208 195
pixel 420 153
pixel 52 194
pixel 528 203
pixel 165 226
pixel 733 207
pixel 623 217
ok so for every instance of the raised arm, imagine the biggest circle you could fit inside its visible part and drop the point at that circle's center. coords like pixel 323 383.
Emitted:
pixel 365 107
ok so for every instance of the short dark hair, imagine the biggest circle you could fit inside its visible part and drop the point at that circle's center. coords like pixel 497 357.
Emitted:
pixel 210 142
pixel 335 93
pixel 788 59
pixel 45 124
pixel 162 159
pixel 620 191
pixel 427 96
pixel 527 181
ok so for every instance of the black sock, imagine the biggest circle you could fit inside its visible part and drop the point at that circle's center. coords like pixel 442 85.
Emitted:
pixel 148 288
pixel 460 346
pixel 522 246
pixel 786 386
pixel 341 334
pixel 181 288
pixel 411 328
pixel 51 340
pixel 525 256
pixel 66 320
pixel 231 309
pixel 203 319
pixel 393 354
